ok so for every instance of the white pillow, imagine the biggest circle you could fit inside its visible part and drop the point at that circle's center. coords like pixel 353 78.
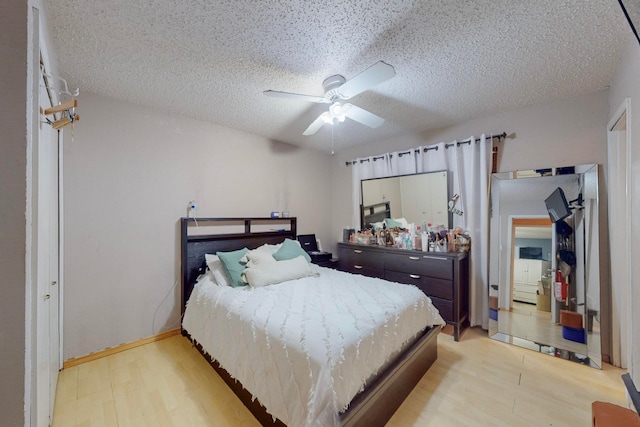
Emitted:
pixel 261 253
pixel 270 273
pixel 402 221
pixel 217 269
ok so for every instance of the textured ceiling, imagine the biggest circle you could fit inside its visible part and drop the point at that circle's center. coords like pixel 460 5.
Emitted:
pixel 454 60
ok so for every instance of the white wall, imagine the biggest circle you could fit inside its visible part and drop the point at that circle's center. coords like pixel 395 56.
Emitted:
pixel 625 84
pixel 129 175
pixel 13 172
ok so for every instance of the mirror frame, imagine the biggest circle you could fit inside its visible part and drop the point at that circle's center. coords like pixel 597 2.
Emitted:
pixel 445 207
pixel 588 174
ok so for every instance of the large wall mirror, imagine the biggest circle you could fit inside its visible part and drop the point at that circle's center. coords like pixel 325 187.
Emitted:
pixel 418 198
pixel 530 305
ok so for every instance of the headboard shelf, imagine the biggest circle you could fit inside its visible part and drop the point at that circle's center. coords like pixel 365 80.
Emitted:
pixel 248 222
pixel 201 237
pixel 253 232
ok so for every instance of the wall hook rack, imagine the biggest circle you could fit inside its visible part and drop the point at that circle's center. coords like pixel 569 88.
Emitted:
pixel 66 109
pixel 68 114
pixel 64 89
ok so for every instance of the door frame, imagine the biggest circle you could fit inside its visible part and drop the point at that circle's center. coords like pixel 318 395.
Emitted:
pixel 621 289
pixel 525 221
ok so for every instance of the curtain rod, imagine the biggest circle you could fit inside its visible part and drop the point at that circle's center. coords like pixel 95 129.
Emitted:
pixel 425 149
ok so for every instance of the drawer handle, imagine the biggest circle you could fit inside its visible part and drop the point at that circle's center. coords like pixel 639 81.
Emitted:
pixel 414 258
pixel 358 267
pixel 358 251
pixel 434 257
pixel 414 276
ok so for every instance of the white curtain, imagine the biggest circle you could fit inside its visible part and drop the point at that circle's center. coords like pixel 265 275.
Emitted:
pixel 432 158
pixel 402 163
pixel 366 168
pixel 469 166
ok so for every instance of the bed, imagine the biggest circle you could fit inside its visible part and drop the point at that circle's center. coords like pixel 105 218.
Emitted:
pixel 325 372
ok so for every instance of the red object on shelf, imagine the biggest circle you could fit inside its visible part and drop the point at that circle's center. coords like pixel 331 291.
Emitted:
pixel 571 319
pixel 560 287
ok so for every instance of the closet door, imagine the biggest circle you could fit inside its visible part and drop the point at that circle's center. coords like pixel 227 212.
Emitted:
pixel 47 270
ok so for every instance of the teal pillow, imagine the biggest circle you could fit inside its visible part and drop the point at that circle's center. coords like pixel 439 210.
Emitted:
pixel 390 223
pixel 233 266
pixel 289 250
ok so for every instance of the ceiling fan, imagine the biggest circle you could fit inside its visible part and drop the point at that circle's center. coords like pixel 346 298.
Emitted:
pixel 337 89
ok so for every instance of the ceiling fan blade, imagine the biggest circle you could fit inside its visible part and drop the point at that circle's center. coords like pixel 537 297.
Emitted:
pixel 372 76
pixel 362 116
pixel 317 123
pixel 298 96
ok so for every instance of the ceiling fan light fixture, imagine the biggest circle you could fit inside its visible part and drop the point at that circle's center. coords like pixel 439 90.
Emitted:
pixel 327 118
pixel 335 109
pixel 337 88
pixel 339 111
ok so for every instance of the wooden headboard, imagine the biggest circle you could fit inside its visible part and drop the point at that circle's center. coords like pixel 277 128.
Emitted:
pixel 374 213
pixel 245 232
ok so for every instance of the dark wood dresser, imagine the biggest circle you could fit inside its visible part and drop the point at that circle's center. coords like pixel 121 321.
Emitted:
pixel 443 276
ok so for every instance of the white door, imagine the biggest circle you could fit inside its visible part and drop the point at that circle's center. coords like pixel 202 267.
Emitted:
pixel 54 276
pixel 47 308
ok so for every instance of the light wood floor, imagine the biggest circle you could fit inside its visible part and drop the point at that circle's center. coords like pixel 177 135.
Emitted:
pixel 526 322
pixel 474 382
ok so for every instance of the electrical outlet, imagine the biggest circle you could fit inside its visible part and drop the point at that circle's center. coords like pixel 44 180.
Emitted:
pixel 192 209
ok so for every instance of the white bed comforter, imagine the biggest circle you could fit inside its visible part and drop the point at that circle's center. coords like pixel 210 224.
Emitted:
pixel 304 348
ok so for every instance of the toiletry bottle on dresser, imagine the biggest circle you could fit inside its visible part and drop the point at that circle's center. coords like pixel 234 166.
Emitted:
pixel 418 240
pixel 412 236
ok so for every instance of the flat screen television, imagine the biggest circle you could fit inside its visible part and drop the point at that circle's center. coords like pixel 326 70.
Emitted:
pixel 530 253
pixel 557 205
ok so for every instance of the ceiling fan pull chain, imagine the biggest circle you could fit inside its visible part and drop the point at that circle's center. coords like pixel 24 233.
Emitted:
pixel 332 152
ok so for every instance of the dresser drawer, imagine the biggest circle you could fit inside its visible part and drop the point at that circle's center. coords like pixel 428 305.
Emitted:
pixel 445 307
pixel 431 286
pixel 361 256
pixel 525 287
pixel 525 297
pixel 364 270
pixel 421 264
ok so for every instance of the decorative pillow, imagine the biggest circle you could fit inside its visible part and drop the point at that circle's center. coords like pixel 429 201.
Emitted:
pixel 233 266
pixel 377 225
pixel 396 222
pixel 272 248
pixel 404 222
pixel 390 223
pixel 263 253
pixel 289 250
pixel 217 269
pixel 277 272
